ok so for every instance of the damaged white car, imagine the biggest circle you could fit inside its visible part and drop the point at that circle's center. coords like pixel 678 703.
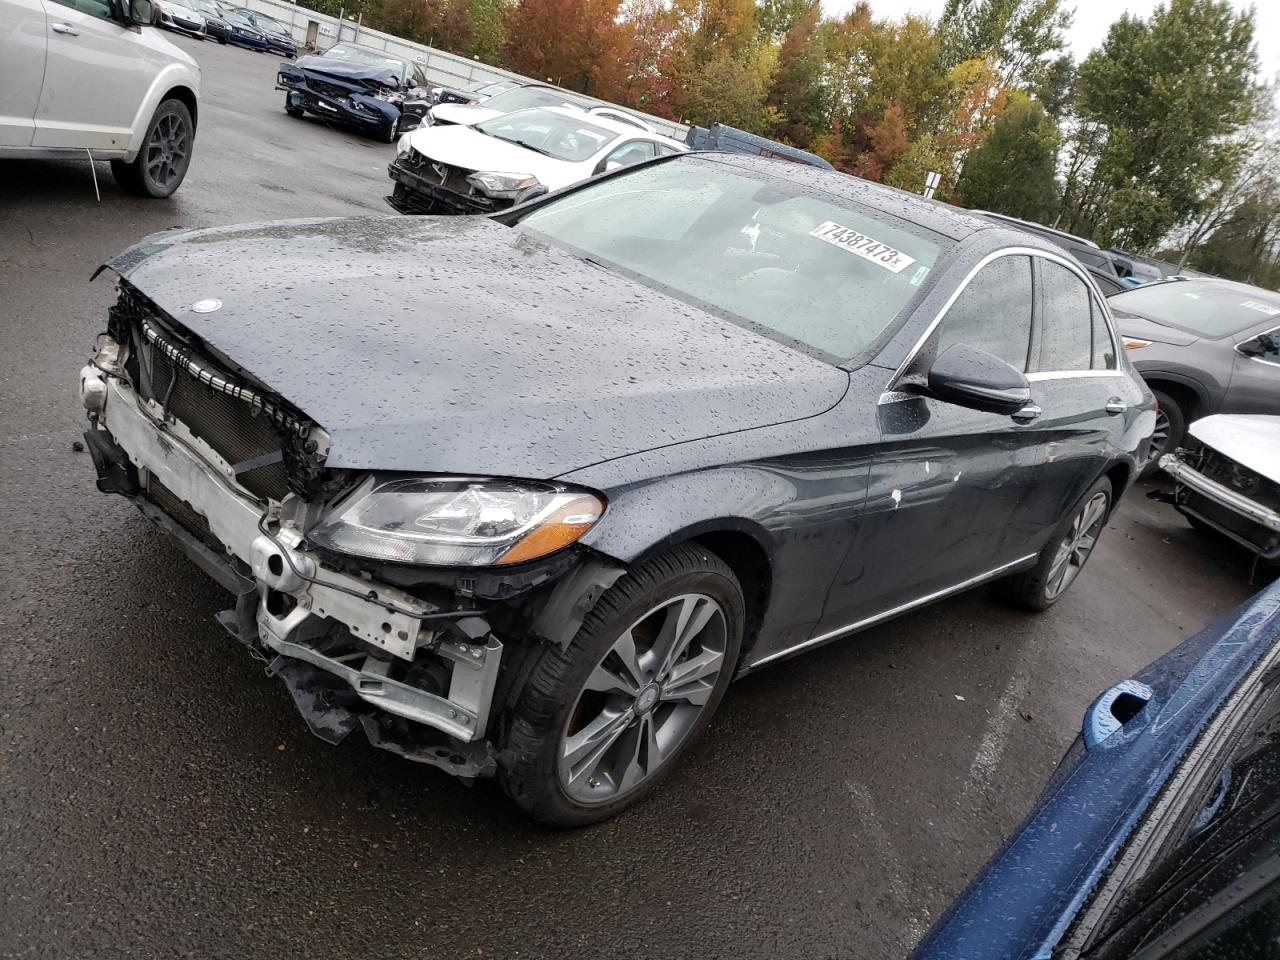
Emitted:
pixel 1228 479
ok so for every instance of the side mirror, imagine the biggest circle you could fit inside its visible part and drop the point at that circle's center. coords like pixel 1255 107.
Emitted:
pixel 604 166
pixel 1258 346
pixel 970 377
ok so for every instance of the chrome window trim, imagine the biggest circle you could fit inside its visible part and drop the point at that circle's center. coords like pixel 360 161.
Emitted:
pixel 1264 333
pixel 1071 374
pixel 894 611
pixel 1063 260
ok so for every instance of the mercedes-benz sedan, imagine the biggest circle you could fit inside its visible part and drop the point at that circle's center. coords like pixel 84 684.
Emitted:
pixel 520 495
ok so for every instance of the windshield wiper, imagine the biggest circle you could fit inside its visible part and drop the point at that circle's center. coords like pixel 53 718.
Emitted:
pixel 521 143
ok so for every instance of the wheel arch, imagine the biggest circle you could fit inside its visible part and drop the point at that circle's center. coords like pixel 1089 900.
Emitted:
pixel 1190 395
pixel 187 97
pixel 746 548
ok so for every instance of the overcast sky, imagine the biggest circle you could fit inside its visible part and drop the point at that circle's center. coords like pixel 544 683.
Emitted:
pixel 1093 18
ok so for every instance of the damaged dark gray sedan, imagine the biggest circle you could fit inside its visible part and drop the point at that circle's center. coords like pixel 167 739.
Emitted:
pixel 520 495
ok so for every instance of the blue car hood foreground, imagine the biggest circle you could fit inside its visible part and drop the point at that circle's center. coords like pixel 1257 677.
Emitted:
pixel 1024 901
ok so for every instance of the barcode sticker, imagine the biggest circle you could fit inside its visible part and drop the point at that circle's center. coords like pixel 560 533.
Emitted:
pixel 868 248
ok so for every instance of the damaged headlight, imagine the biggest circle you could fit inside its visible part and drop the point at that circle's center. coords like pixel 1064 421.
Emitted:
pixel 502 186
pixel 458 521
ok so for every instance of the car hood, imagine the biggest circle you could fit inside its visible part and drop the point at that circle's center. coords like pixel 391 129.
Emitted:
pixel 445 344
pixel 1252 440
pixel 463 113
pixel 473 150
pixel 1132 325
pixel 351 72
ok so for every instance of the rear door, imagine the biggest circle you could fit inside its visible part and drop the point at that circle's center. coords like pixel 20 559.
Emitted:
pixel 23 42
pixel 1086 400
pixel 97 75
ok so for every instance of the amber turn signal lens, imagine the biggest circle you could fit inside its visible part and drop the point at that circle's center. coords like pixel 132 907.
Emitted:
pixel 557 531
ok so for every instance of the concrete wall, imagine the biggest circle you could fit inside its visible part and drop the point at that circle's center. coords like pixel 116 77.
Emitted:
pixel 443 69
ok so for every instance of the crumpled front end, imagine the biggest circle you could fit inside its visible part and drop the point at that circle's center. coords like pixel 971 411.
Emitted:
pixel 236 476
pixel 1224 494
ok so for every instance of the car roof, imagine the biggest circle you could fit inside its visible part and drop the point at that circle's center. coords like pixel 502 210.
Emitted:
pixel 608 123
pixel 942 218
pixel 1039 228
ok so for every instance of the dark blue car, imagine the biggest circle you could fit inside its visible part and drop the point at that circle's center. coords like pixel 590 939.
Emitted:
pixel 260 32
pixel 1159 834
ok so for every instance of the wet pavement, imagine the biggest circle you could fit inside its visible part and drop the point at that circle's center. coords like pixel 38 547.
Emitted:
pixel 159 796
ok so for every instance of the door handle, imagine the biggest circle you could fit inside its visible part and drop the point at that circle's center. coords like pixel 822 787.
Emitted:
pixel 65 28
pixel 1027 413
pixel 1116 406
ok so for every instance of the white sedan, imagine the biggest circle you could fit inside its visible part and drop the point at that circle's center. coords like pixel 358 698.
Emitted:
pixel 511 158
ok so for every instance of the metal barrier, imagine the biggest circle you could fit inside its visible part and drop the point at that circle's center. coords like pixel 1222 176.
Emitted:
pixel 442 69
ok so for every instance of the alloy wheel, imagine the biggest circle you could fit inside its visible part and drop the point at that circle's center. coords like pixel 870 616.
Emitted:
pixel 643 699
pixel 1160 436
pixel 1076 546
pixel 167 150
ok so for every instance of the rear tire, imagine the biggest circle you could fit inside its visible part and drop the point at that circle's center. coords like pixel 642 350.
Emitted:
pixel 1064 556
pixel 162 161
pixel 1171 428
pixel 596 726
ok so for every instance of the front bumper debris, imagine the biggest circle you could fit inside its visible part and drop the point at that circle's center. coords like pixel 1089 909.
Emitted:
pixel 1222 508
pixel 414 193
pixel 290 606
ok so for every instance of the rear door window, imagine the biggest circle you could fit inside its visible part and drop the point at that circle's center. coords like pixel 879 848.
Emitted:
pixel 1066 320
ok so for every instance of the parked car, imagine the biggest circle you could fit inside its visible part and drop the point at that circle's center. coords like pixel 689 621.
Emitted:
pixel 1204 346
pixel 1227 479
pixel 521 98
pixel 95 82
pixel 727 139
pixel 1157 835
pixel 1104 267
pixel 357 86
pixel 217 23
pixel 476 93
pixel 519 495
pixel 178 17
pixel 500 162
pixel 244 33
pixel 278 36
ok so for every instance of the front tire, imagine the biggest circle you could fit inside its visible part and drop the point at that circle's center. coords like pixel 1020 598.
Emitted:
pixel 393 130
pixel 598 725
pixel 1064 556
pixel 162 162
pixel 1171 428
pixel 290 109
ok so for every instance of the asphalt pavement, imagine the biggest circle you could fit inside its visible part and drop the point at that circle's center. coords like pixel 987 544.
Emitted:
pixel 159 796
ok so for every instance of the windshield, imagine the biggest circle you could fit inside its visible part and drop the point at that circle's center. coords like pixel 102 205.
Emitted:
pixel 553 135
pixel 206 7
pixel 1206 309
pixel 821 273
pixel 271 26
pixel 373 58
pixel 526 97
pixel 493 89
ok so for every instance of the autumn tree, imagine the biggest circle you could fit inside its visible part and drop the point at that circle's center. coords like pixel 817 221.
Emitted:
pixel 1012 170
pixel 1017 35
pixel 795 94
pixel 573 43
pixel 1161 98
pixel 488 30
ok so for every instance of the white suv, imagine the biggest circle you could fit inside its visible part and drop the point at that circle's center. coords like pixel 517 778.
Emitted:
pixel 85 78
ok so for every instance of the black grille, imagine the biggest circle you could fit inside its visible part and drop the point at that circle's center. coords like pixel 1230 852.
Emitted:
pixel 237 430
pixel 334 90
pixel 181 511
